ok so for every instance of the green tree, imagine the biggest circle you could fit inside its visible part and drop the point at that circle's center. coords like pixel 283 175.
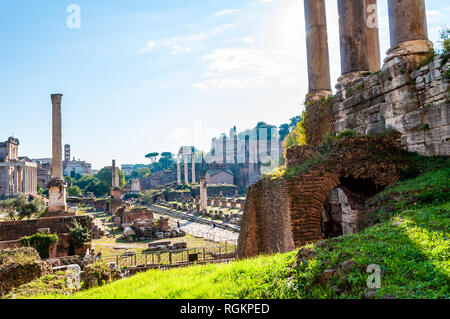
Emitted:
pixel 85 181
pixel 294 122
pixel 445 40
pixel 74 191
pixel 98 188
pixel 295 138
pixel 40 189
pixel 167 155
pixel 152 156
pixel 33 208
pixel 69 180
pixel 284 131
pixel 20 208
pixel 105 176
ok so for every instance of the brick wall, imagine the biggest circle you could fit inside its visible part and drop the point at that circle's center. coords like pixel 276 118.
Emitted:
pixel 284 213
pixel 14 230
pixel 130 216
pixel 266 224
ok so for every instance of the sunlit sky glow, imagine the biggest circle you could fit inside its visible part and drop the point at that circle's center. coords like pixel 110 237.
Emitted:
pixel 151 75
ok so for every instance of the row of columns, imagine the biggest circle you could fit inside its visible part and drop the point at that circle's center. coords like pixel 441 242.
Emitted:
pixel 359 39
pixel 24 180
pixel 186 167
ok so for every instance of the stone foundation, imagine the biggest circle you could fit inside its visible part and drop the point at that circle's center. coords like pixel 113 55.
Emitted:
pixel 412 102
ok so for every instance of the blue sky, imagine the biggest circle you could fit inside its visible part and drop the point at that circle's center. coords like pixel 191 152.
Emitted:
pixel 151 75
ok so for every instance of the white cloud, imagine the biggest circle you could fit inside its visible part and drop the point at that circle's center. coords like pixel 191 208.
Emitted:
pixel 243 40
pixel 179 49
pixel 177 43
pixel 228 11
pixel 433 15
pixel 252 68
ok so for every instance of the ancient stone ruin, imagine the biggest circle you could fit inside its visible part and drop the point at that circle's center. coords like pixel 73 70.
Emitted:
pixel 323 192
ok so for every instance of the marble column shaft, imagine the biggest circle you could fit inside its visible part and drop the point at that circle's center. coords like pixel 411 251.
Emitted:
pixel 373 37
pixel 178 169
pixel 186 169
pixel 407 21
pixel 317 46
pixel 353 36
pixel 193 167
pixel 56 137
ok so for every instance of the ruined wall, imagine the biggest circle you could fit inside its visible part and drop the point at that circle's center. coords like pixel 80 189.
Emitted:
pixel 266 223
pixel 130 216
pixel 412 102
pixel 286 212
pixel 14 230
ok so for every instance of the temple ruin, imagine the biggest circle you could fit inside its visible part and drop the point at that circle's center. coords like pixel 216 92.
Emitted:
pixel 18 175
pixel 188 154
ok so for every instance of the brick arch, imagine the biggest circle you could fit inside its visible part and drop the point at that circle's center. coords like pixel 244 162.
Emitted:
pixel 307 194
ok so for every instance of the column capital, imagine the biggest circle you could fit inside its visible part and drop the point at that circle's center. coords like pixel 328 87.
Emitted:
pixel 56 98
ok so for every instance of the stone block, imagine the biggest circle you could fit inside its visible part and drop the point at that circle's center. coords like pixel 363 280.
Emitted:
pixel 413 120
pixel 413 138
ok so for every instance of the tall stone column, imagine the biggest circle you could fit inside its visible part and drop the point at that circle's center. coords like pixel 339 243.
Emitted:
pixel 373 37
pixel 203 195
pixel 186 169
pixel 57 187
pixel 115 175
pixel 317 49
pixel 25 179
pixel 353 42
pixel 178 169
pixel 193 167
pixel 408 30
pixel 7 182
pixel 20 180
pixel 16 185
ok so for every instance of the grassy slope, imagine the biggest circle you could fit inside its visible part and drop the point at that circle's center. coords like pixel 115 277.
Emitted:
pixel 411 245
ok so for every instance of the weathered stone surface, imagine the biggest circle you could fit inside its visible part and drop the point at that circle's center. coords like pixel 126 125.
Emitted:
pixel 399 98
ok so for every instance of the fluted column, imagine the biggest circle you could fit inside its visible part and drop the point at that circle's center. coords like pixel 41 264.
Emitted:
pixel 373 37
pixel 193 167
pixel 317 48
pixel 178 169
pixel 16 184
pixel 408 30
pixel 353 41
pixel 186 169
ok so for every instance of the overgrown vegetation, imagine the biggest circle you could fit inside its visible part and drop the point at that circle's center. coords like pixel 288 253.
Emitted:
pixel 57 283
pixel 41 242
pixel 411 247
pixel 79 233
pixel 99 274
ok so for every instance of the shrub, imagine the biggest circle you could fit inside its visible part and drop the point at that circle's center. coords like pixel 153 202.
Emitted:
pixel 40 241
pixel 445 40
pixel 99 274
pixel 80 233
pixel 74 191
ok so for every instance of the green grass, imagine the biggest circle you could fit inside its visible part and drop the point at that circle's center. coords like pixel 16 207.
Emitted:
pixel 253 278
pixel 410 244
